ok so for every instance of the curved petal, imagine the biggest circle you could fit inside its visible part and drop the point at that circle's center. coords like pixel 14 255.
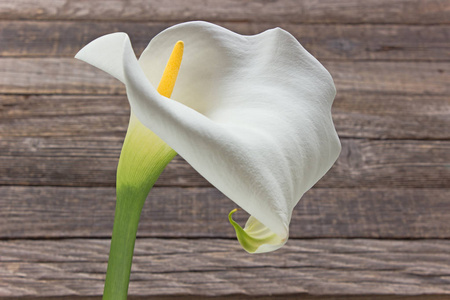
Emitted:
pixel 106 53
pixel 252 114
pixel 256 237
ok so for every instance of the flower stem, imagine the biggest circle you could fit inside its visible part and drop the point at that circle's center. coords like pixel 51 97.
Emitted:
pixel 130 200
pixel 122 246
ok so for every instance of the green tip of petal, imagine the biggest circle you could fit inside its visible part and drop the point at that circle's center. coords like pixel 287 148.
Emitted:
pixel 254 236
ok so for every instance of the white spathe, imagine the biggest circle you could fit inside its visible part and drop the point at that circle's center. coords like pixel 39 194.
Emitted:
pixel 252 114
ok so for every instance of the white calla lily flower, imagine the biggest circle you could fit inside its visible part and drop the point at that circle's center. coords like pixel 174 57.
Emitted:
pixel 252 114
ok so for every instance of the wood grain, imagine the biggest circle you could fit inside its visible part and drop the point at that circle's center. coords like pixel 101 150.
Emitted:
pixel 362 115
pixel 391 116
pixel 92 161
pixel 392 84
pixel 308 11
pixel 374 228
pixel 69 76
pixel 251 297
pixel 330 267
pixel 60 212
pixel 335 42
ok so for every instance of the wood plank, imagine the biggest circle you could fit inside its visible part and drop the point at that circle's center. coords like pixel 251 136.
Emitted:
pixel 390 116
pixel 92 161
pixel 54 76
pixel 327 267
pixel 308 11
pixel 70 76
pixel 64 115
pixel 246 297
pixel 362 115
pixel 336 42
pixel 61 212
pixel 391 77
pixel 249 297
pixel 409 163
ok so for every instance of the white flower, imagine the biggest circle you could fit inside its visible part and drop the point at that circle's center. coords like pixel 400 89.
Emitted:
pixel 252 114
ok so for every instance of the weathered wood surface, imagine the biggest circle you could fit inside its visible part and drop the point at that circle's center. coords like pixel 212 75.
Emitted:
pixel 362 115
pixel 309 11
pixel 331 267
pixel 335 42
pixel 62 123
pixel 70 76
pixel 392 116
pixel 61 212
pixel 250 297
pixel 92 161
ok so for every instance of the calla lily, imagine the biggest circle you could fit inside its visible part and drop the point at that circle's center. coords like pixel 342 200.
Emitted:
pixel 252 114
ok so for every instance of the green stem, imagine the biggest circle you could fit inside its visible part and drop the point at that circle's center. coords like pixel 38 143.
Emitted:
pixel 143 158
pixel 126 222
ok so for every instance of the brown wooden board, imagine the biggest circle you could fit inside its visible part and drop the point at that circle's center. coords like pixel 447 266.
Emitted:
pixel 60 212
pixel 92 161
pixel 206 267
pixel 374 228
pixel 309 11
pixel 70 76
pixel 391 116
pixel 250 297
pixel 335 42
pixel 362 115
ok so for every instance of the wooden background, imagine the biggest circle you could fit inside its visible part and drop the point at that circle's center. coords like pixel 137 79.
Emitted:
pixel 375 227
